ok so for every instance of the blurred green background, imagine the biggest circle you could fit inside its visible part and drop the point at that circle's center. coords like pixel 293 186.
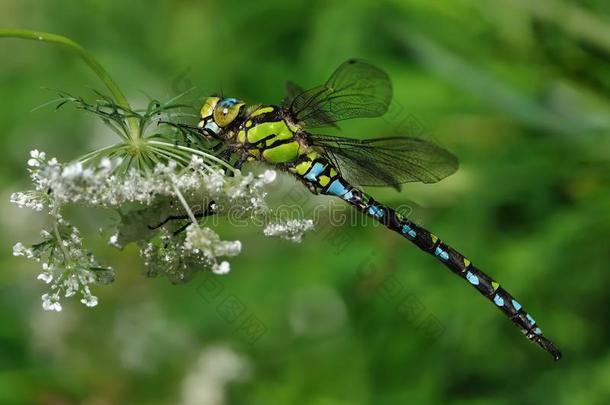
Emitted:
pixel 517 89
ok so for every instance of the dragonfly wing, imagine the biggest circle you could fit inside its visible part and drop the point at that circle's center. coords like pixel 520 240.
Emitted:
pixel 356 89
pixel 387 161
pixel 292 91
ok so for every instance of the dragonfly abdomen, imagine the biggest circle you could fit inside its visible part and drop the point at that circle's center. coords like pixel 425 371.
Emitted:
pixel 321 176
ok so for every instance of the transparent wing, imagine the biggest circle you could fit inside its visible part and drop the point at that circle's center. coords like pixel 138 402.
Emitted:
pixel 292 91
pixel 356 89
pixel 386 161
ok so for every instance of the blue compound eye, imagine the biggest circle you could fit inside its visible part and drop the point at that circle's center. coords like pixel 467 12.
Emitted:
pixel 228 102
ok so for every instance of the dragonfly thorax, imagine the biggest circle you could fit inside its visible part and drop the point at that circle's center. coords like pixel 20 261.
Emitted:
pixel 265 134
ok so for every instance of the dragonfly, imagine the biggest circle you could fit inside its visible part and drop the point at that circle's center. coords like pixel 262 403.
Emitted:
pixel 283 136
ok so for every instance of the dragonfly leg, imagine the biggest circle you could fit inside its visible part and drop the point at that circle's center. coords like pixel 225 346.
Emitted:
pixel 198 216
pixel 217 147
pixel 225 155
pixel 242 159
pixel 183 227
pixel 210 210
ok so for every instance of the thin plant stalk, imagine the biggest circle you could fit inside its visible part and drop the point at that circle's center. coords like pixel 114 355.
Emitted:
pixel 87 57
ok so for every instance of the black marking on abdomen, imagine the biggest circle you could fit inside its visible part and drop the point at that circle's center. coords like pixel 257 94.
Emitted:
pixel 430 243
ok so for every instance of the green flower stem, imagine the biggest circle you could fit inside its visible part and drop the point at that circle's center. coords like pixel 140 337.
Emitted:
pixel 98 152
pixel 185 205
pixel 60 242
pixel 170 155
pixel 87 57
pixel 195 152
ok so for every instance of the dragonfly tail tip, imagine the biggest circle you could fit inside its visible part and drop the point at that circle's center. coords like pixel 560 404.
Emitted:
pixel 549 347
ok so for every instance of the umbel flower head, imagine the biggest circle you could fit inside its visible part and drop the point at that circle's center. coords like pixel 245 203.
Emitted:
pixel 159 204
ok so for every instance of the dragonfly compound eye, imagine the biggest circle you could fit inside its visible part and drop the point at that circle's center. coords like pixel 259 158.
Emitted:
pixel 226 111
pixel 207 109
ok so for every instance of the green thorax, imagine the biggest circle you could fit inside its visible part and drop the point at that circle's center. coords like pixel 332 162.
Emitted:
pixel 267 135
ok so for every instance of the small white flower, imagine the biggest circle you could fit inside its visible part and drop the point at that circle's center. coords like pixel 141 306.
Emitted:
pixel 269 176
pixel 292 230
pixel 46 277
pixel 51 303
pixel 33 163
pixel 196 161
pixel 36 154
pixel 19 249
pixel 72 171
pixel 222 268
pixel 114 241
pixel 71 286
pixel 105 163
pixel 227 248
pixel 90 301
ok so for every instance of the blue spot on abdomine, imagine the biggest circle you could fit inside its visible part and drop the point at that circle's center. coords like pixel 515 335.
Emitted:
pixel 498 300
pixel 441 254
pixel 315 171
pixel 406 230
pixel 516 305
pixel 375 211
pixel 336 188
pixel 474 280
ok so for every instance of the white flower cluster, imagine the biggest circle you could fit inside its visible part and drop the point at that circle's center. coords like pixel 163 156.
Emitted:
pixel 154 208
pixel 292 230
pixel 103 186
pixel 67 268
pixel 178 258
pixel 207 242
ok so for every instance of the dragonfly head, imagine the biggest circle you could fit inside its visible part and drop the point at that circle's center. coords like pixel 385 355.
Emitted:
pixel 217 114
